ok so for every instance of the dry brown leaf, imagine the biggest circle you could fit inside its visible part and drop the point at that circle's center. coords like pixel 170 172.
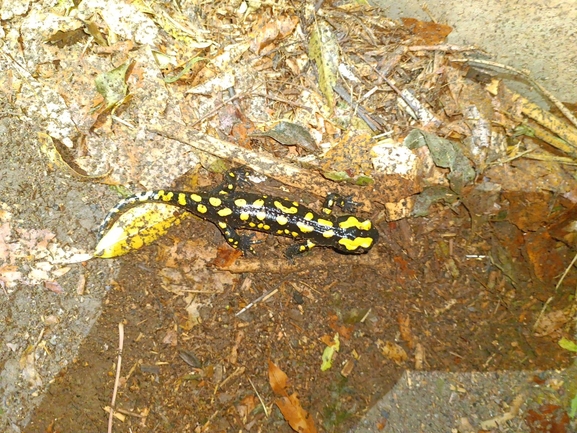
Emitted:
pixel 427 32
pixel 53 286
pixel 551 322
pixel 290 406
pixel 405 329
pixel 344 331
pixel 268 31
pixel 278 379
pixel 547 259
pixel 246 406
pixel 297 417
pixel 171 338
pixel 233 358
pixel 392 351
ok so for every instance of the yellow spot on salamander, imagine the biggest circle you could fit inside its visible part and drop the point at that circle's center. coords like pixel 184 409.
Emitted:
pixel 222 224
pixel 295 234
pixel 282 220
pixel 354 222
pixel 215 201
pixel 162 195
pixel 266 227
pixel 258 203
pixel 325 222
pixel 329 234
pixel 224 212
pixel 279 232
pixel 201 208
pixel 304 227
pixel 353 244
pixel 366 225
pixel 309 216
pixel 244 216
pixel 260 215
pixel 260 225
pixel 182 199
pixel 240 202
pixel 196 198
pixel 287 232
pixel 252 224
pixel 290 210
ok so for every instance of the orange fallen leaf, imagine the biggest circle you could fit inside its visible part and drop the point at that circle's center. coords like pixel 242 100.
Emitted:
pixel 427 32
pixel 405 330
pixel 392 351
pixel 297 417
pixel 289 405
pixel 278 379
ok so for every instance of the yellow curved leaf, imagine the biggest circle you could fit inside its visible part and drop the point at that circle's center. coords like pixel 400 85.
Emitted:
pixel 137 227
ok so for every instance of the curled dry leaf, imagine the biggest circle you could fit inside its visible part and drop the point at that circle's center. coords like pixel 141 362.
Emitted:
pixel 289 405
pixel 392 351
pixel 137 227
pixel 278 379
pixel 297 417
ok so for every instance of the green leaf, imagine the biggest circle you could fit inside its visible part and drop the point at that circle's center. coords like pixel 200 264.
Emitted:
pixel 324 50
pixel 573 410
pixel 187 67
pixel 568 344
pixel 329 353
pixel 112 85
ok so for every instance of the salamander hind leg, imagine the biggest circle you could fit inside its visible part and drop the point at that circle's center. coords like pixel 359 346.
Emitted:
pixel 296 249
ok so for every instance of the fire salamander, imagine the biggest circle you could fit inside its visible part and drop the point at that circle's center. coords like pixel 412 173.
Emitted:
pixel 230 209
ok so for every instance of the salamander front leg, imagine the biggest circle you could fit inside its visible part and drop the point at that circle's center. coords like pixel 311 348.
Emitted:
pixel 345 203
pixel 242 243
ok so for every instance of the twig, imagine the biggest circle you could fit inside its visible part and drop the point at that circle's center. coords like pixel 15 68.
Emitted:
pixel 359 109
pixel 217 109
pixel 117 379
pixel 542 312
pixel 259 397
pixel 443 47
pixel 284 101
pixel 566 272
pixel 239 371
pixel 257 300
pixel 265 163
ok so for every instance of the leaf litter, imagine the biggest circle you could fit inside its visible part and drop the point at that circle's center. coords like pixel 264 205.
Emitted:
pixel 483 164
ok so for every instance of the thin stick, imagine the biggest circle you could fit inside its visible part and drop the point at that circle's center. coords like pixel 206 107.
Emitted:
pixel 257 300
pixel 259 397
pixel 542 312
pixel 117 379
pixel 566 272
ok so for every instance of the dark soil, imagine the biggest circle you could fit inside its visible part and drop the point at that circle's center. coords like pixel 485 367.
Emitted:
pixel 464 313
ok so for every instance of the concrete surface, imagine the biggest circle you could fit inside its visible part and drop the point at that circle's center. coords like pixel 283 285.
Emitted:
pixel 536 35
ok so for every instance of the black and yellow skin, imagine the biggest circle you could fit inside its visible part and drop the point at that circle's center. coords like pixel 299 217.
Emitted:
pixel 230 210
